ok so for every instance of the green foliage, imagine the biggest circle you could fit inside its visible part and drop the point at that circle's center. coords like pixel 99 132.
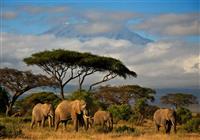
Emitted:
pixel 120 112
pixel 123 94
pixel 10 127
pixel 125 128
pixel 142 110
pixel 192 125
pixel 179 99
pixel 4 99
pixel 26 104
pixel 140 106
pixel 183 115
pixel 149 111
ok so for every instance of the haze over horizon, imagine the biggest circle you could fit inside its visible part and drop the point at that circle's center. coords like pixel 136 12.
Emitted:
pixel 158 40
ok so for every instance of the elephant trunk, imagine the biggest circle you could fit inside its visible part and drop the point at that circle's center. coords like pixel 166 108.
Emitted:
pixel 173 121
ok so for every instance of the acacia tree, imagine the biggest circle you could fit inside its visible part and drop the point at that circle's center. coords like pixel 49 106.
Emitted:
pixel 18 82
pixel 179 99
pixel 123 94
pixel 110 66
pixel 67 65
pixel 4 98
pixel 60 64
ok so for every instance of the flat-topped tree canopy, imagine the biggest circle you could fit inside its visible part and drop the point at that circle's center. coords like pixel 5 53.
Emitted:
pixel 58 62
pixel 101 63
pixel 70 58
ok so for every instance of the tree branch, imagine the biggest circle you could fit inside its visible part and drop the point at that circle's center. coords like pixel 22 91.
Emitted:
pixel 107 77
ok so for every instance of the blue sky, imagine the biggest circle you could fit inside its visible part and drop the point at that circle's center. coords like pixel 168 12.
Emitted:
pixel 154 7
pixel 170 60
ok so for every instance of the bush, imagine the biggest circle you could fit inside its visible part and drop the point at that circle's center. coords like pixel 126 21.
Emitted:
pixel 120 112
pixel 183 115
pixel 125 128
pixel 192 125
pixel 10 127
pixel 26 104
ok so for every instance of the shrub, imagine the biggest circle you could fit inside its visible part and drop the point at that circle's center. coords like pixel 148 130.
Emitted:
pixel 125 128
pixel 10 127
pixel 120 112
pixel 192 125
pixel 26 104
pixel 183 115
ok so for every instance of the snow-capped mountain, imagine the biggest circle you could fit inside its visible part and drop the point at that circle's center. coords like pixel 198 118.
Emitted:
pixel 69 31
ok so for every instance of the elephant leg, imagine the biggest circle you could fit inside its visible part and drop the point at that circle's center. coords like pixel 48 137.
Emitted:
pixel 174 128
pixel 75 121
pixel 32 123
pixel 165 126
pixel 56 125
pixel 104 123
pixel 64 125
pixel 49 122
pixel 84 123
pixel 39 123
pixel 43 121
pixel 57 121
pixel 168 125
pixel 157 127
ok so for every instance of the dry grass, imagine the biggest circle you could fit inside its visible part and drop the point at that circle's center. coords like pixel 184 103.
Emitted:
pixel 146 132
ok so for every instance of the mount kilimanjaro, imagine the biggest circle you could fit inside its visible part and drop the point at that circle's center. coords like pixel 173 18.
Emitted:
pixel 69 31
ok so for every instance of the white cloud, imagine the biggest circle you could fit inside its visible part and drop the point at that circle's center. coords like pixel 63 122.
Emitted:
pixel 191 64
pixel 161 63
pixel 157 49
pixel 171 24
pixel 96 15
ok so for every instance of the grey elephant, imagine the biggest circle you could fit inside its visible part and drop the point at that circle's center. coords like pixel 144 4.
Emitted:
pixel 67 110
pixel 103 118
pixel 166 118
pixel 41 112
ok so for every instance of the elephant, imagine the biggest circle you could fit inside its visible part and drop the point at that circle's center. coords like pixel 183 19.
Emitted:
pixel 103 118
pixel 41 112
pixel 166 118
pixel 67 110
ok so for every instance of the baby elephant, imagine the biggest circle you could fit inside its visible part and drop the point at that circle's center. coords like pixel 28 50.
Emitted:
pixel 41 112
pixel 166 118
pixel 103 118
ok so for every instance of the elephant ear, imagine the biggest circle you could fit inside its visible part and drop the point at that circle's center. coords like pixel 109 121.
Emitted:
pixel 76 107
pixel 82 104
pixel 45 109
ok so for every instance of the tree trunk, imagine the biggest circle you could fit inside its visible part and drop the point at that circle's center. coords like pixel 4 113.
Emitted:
pixel 62 92
pixel 8 110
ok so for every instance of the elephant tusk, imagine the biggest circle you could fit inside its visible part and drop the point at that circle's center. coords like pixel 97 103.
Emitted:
pixel 87 117
pixel 173 123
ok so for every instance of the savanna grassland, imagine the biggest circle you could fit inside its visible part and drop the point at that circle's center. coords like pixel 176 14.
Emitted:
pixel 20 129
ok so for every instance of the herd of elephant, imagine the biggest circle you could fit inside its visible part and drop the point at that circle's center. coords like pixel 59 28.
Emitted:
pixel 77 112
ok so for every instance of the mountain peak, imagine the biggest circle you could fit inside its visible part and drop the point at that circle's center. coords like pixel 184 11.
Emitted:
pixel 69 31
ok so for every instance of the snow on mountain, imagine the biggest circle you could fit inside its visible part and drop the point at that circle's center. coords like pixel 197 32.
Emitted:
pixel 69 31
